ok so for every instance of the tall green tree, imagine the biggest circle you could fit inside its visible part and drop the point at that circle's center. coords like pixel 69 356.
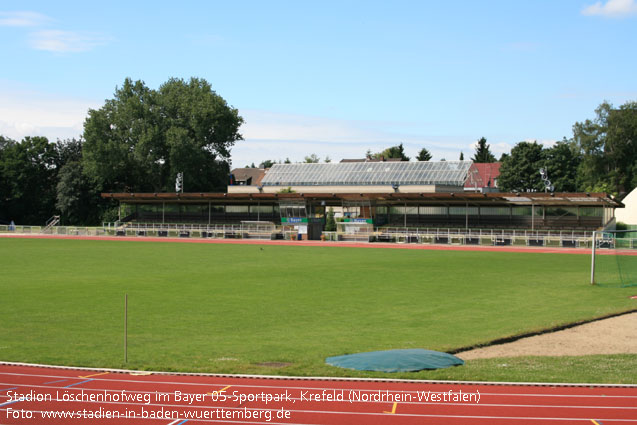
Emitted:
pixel 423 155
pixel 141 139
pixel 520 170
pixel 392 152
pixel 28 173
pixel 590 136
pixel 483 154
pixel 77 199
pixel 561 163
pixel 608 146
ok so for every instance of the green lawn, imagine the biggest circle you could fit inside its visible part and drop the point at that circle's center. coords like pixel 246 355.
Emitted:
pixel 227 308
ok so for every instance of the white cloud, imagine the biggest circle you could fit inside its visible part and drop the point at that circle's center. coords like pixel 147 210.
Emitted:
pixel 275 136
pixel 51 40
pixel 65 41
pixel 612 9
pixel 24 112
pixel 22 19
pixel 271 125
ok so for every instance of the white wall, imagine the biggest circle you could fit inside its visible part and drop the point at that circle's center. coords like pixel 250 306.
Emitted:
pixel 628 215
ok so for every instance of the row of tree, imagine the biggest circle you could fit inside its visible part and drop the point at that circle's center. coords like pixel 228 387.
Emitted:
pixel 139 140
pixel 600 157
pixel 394 152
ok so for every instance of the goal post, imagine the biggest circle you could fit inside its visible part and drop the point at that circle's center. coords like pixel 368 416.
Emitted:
pixel 614 258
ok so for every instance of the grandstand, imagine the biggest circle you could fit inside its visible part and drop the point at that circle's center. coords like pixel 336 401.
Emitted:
pixel 421 197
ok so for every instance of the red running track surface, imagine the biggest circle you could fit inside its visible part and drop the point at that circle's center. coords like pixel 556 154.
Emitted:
pixel 544 250
pixel 29 393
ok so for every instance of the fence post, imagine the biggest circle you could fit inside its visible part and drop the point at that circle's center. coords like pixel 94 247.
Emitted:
pixel 125 328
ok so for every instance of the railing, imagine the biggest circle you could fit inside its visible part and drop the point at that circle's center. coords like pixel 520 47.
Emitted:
pixel 229 231
pixel 459 236
pixel 566 238
pixel 50 223
pixel 55 230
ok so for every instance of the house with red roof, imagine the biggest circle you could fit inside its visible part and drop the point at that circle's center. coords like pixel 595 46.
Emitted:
pixel 483 177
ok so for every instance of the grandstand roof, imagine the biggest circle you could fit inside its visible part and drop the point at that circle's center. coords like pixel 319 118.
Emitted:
pixel 448 173
pixel 491 199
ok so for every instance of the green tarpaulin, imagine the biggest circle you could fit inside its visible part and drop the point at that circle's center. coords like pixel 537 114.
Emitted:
pixel 409 360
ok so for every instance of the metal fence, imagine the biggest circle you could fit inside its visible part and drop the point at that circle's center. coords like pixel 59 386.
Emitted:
pixel 556 238
pixel 267 231
pixel 246 230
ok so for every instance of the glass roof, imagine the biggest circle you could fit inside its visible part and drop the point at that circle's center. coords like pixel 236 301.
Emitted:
pixel 451 173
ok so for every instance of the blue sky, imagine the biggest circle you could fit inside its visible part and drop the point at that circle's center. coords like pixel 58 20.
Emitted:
pixel 330 78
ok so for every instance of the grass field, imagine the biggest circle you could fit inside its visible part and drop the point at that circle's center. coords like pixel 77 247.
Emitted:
pixel 228 308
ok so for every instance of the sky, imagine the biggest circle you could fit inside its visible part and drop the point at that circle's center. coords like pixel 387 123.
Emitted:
pixel 331 78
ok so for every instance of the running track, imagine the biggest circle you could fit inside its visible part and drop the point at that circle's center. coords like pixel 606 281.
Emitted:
pixel 543 250
pixel 229 399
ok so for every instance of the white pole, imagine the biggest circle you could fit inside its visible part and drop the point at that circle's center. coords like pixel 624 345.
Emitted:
pixel 593 259
pixel 125 328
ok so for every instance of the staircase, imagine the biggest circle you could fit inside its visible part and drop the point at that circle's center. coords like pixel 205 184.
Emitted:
pixel 53 221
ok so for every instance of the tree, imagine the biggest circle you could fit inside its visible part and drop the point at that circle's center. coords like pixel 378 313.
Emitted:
pixel 520 170
pixel 312 159
pixel 423 155
pixel 392 152
pixel 28 173
pixel 268 163
pixel 461 156
pixel 608 149
pixel 483 154
pixel 327 159
pixel 561 163
pixel 608 146
pixel 589 137
pixel 141 139
pixel 76 198
pixel 330 222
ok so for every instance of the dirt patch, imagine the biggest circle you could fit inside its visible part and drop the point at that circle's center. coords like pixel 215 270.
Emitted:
pixel 273 364
pixel 617 335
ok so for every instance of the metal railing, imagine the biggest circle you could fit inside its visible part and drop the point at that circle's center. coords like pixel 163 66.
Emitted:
pixel 229 231
pixel 566 238
pixel 266 231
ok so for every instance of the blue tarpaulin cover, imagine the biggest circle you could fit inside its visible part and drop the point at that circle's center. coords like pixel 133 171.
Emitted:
pixel 408 360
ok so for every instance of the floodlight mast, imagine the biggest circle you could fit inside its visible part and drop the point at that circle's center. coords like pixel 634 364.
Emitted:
pixel 545 178
pixel 179 183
